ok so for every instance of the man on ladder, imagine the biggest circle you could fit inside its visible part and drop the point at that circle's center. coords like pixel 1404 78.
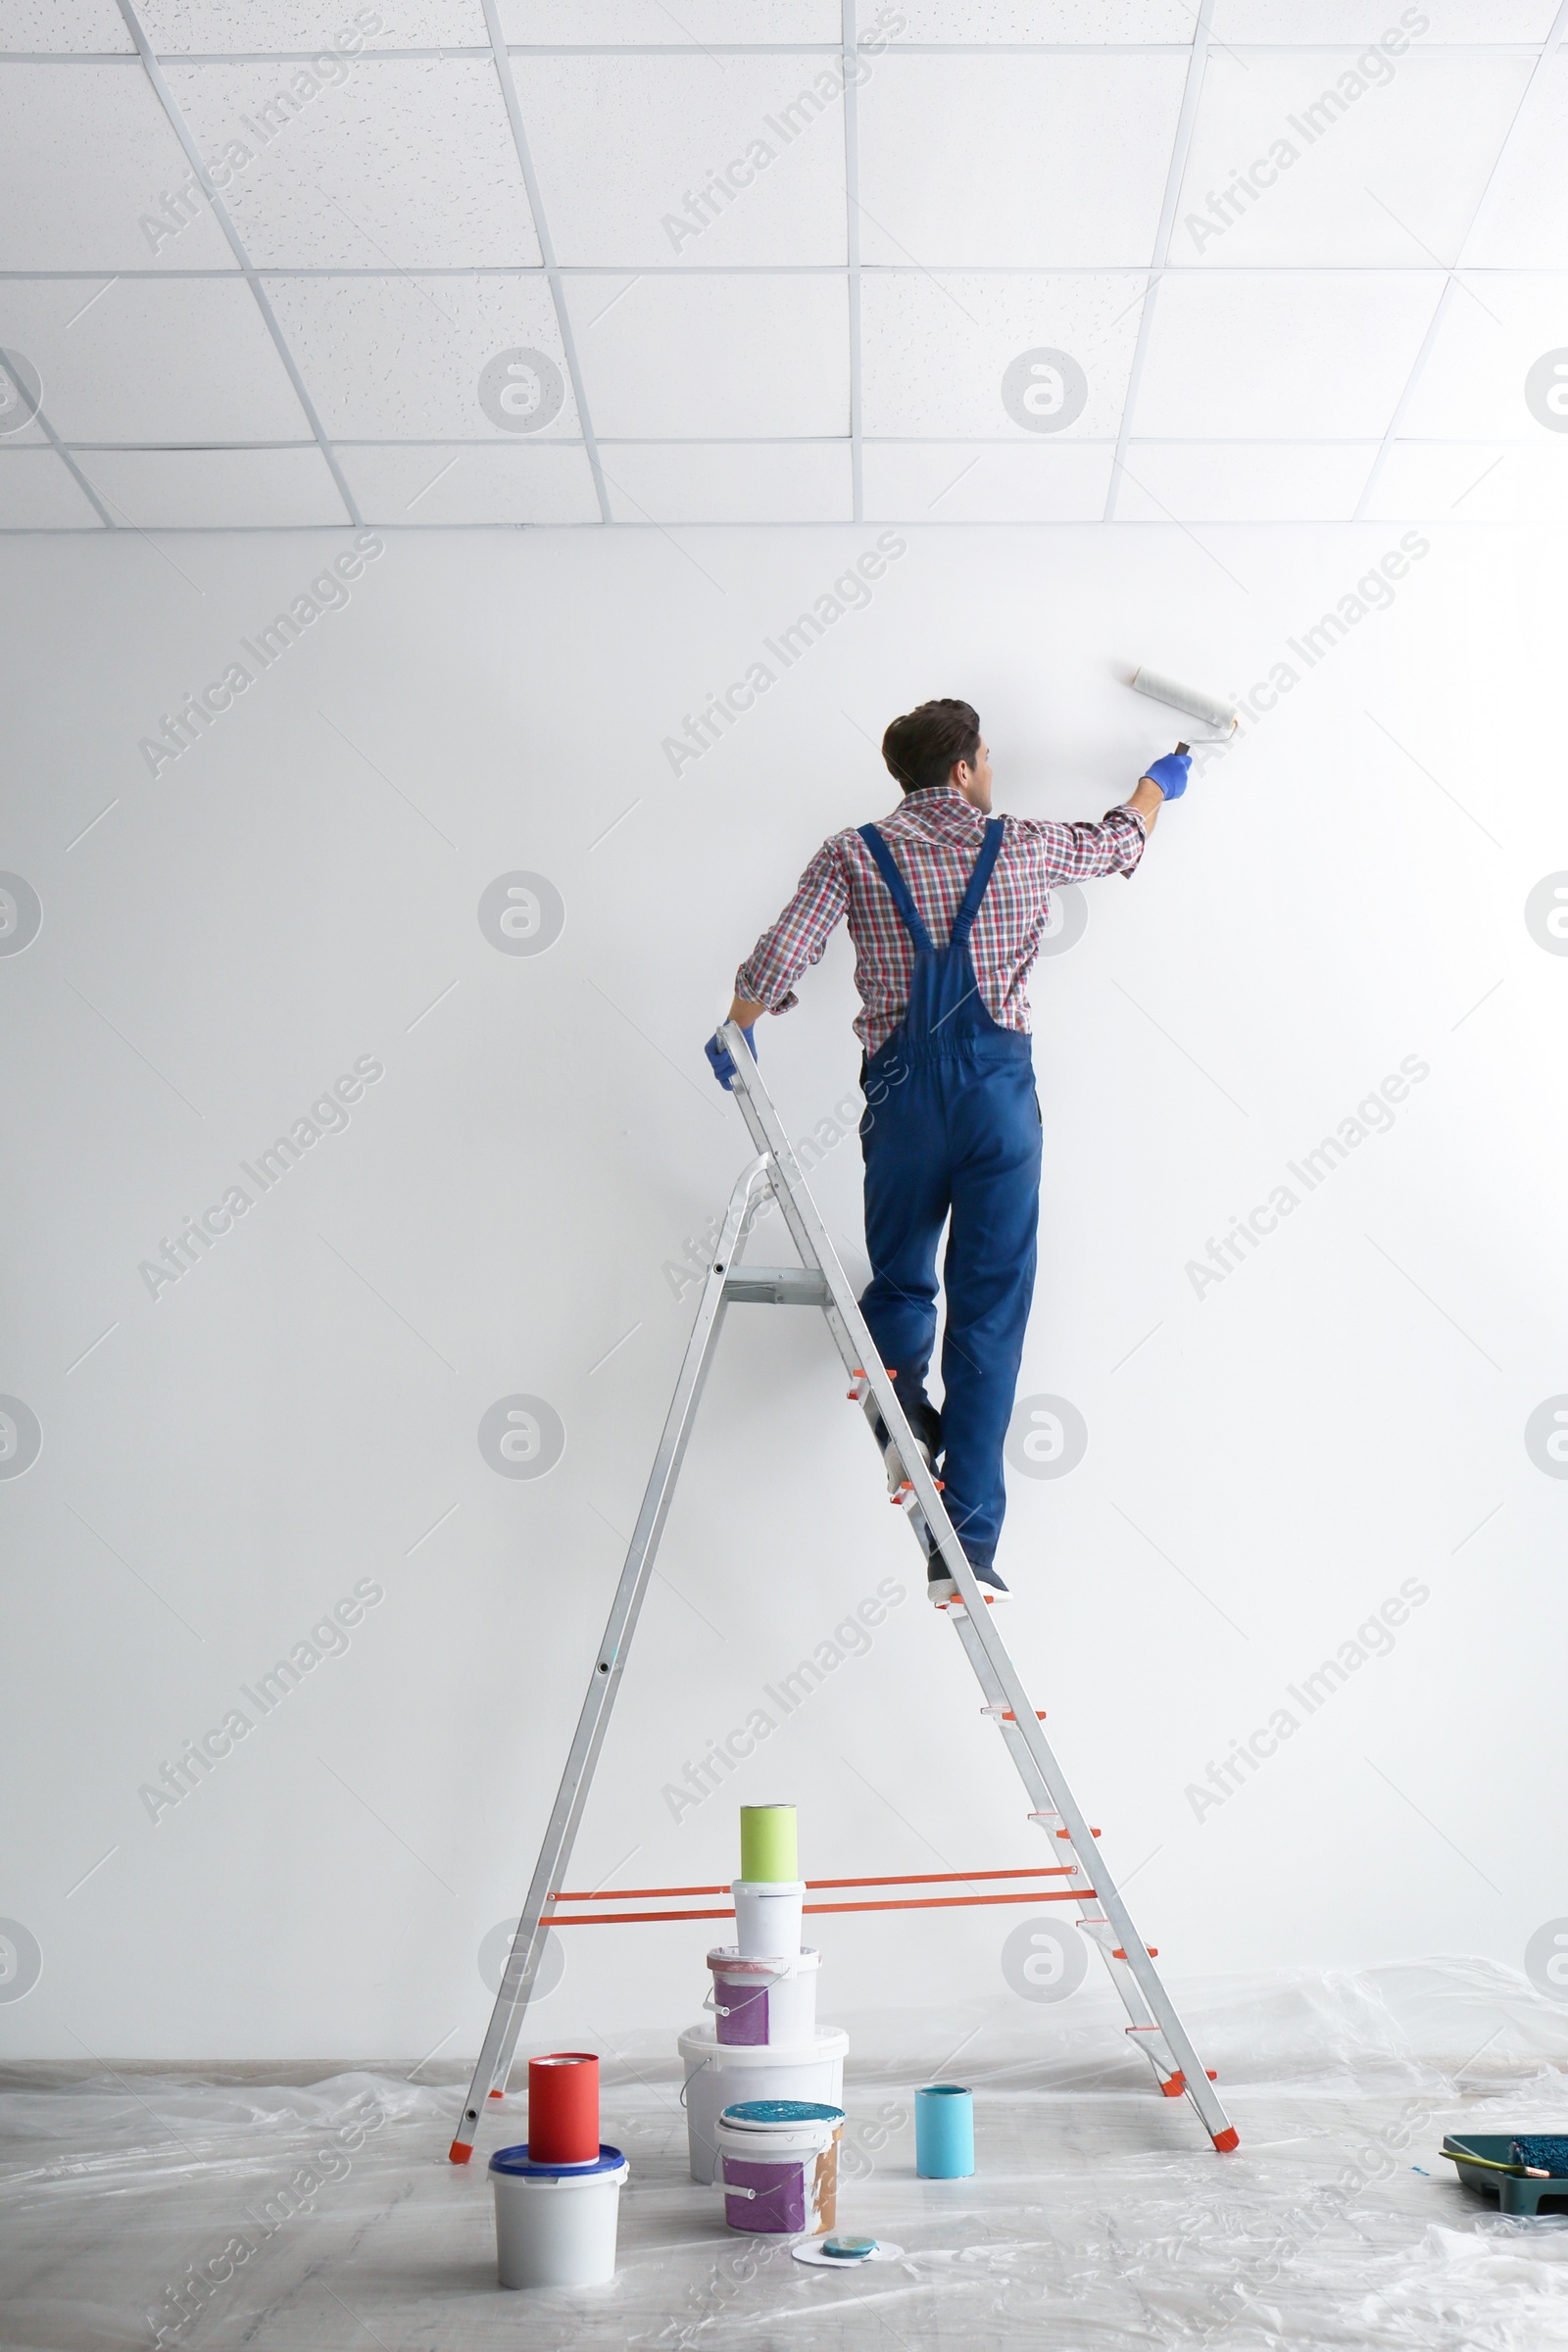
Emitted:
pixel 952 1129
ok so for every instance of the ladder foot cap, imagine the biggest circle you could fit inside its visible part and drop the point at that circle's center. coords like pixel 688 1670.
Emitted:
pixel 457 2153
pixel 1226 2140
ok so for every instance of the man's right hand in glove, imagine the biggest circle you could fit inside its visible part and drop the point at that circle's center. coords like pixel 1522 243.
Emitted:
pixel 1170 774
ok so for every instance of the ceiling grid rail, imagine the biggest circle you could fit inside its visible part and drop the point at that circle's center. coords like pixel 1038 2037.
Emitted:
pixel 851 249
pixel 305 56
pixel 252 276
pixel 530 182
pixel 565 269
pixel 1186 122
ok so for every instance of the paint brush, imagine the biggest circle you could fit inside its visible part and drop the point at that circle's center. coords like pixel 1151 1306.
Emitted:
pixel 1489 2164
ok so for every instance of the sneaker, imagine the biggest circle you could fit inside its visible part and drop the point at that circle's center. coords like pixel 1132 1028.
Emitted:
pixel 940 1588
pixel 893 1460
pixel 926 1423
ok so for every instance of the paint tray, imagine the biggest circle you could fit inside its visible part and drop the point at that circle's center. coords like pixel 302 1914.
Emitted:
pixel 1514 2193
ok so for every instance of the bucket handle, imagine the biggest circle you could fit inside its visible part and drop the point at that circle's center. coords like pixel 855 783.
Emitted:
pixel 712 2002
pixel 700 2068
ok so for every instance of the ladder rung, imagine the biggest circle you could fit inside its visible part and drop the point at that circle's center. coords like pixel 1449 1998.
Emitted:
pixel 776 1285
pixel 923 1902
pixel 1006 1715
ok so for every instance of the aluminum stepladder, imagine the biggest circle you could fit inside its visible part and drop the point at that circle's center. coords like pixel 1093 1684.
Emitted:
pixel 819 1281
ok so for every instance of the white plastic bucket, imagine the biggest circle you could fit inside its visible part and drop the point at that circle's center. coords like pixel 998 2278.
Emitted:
pixel 719 2076
pixel 756 2001
pixel 779 2164
pixel 555 2222
pixel 767 1917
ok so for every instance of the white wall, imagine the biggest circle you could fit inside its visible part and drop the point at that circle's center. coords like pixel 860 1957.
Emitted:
pixel 1278 1456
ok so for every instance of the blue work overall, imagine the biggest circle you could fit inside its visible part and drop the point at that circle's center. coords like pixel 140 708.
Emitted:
pixel 951 1128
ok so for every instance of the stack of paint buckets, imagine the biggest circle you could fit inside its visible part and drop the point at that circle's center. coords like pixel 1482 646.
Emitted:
pixel 557 2198
pixel 763 2087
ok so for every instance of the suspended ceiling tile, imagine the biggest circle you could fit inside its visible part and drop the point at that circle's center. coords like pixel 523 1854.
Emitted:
pixel 944 481
pixel 266 28
pixel 1525 223
pixel 1493 373
pixel 46 27
pixel 1011 359
pixel 1310 158
pixel 449 357
pixel 1033 162
pixel 1241 355
pixel 1045 20
pixel 690 21
pixel 696 359
pixel 1230 481
pixel 89 164
pixel 697 159
pixel 155 360
pixel 215 489
pixel 1364 20
pixel 37 493
pixel 1442 481
pixel 800 481
pixel 406 163
pixel 531 481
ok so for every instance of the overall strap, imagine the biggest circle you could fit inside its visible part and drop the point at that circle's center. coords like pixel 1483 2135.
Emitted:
pixel 898 888
pixel 990 850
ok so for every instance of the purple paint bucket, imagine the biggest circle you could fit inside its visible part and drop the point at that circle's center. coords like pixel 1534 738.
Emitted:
pixel 778 2161
pixel 758 2003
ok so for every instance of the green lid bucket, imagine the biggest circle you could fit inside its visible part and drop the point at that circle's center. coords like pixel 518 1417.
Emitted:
pixel 767 1842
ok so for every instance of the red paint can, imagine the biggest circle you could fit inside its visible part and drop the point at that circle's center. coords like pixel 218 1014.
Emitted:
pixel 563 2108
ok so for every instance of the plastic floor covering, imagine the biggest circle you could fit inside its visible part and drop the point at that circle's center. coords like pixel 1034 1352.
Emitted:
pixel 170 2205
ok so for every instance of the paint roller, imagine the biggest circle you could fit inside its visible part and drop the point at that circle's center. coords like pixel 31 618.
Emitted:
pixel 1222 719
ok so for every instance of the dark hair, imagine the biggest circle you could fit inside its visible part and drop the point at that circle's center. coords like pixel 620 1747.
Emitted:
pixel 922 748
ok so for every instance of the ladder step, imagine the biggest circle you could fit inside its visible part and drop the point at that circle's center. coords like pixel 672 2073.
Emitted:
pixel 776 1285
pixel 1006 1715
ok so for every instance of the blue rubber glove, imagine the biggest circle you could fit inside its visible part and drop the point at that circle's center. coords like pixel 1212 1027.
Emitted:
pixel 719 1060
pixel 1170 773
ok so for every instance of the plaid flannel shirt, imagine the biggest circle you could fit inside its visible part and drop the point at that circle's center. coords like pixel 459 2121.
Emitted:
pixel 935 838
